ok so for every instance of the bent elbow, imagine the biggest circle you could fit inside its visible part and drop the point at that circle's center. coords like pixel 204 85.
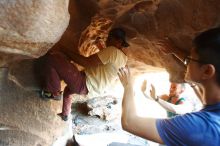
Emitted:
pixel 126 123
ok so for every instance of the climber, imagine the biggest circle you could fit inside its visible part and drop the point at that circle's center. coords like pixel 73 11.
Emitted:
pixel 98 76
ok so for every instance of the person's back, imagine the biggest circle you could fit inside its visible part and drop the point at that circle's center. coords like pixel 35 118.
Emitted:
pixel 197 128
pixel 100 78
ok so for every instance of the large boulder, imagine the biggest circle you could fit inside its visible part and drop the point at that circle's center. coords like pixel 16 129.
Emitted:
pixel 26 119
pixel 30 28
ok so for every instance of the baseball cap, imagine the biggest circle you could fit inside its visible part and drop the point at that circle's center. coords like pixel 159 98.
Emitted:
pixel 119 33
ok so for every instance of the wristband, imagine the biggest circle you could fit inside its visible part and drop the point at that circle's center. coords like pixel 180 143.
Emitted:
pixel 193 85
pixel 156 99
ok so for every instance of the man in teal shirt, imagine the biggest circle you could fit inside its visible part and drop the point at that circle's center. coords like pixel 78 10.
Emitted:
pixel 173 103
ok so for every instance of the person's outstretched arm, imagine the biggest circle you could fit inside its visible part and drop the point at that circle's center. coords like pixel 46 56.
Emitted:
pixel 131 122
pixel 90 61
pixel 177 109
pixel 183 108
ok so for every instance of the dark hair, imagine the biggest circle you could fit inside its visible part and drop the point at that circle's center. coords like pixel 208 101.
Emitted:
pixel 207 46
pixel 120 34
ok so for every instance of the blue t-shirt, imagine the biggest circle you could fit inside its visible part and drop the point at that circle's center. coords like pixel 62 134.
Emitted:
pixel 193 129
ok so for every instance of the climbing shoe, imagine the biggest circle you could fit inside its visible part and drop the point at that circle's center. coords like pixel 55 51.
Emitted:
pixel 45 95
pixel 63 117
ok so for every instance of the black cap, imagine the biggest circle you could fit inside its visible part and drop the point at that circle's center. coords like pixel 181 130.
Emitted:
pixel 119 33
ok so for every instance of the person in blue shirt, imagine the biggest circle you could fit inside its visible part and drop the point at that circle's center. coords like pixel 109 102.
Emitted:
pixel 200 128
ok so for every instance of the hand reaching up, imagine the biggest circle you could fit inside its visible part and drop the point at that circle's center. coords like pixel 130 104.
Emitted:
pixel 153 92
pixel 125 76
pixel 144 86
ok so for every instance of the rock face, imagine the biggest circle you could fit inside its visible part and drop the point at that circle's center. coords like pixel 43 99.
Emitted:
pixel 25 119
pixel 146 22
pixel 28 29
pixel 107 108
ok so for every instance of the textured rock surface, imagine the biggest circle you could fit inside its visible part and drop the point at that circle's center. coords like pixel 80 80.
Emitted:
pixel 146 22
pixel 101 129
pixel 30 28
pixel 41 24
pixel 25 119
pixel 107 108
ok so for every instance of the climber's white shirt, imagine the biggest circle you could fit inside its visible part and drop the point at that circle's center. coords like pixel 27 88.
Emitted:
pixel 100 78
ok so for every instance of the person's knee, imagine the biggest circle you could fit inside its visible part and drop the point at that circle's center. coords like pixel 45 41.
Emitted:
pixel 68 91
